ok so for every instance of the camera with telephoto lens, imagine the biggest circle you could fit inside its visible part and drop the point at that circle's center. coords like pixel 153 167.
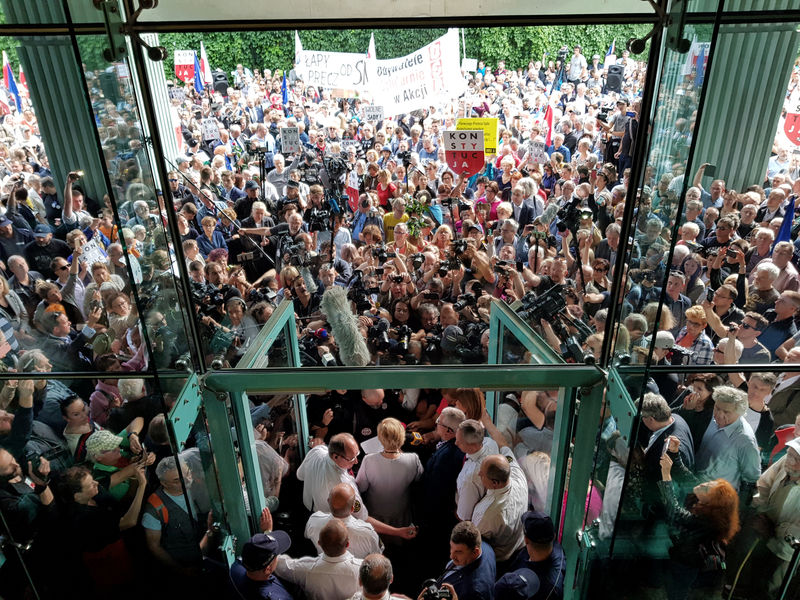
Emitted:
pixel 319 220
pixel 360 294
pixel 679 355
pixel 404 156
pixel 546 306
pixel 458 247
pixel 502 267
pixel 381 254
pixel 417 260
pixel 262 294
pixel 300 257
pixel 465 300
pixel 450 264
pixel 431 592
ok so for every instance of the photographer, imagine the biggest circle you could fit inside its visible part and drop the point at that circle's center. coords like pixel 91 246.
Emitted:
pixel 365 215
pixel 471 570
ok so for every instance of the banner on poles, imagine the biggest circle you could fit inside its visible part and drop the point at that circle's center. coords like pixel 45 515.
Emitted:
pixel 425 78
pixel 330 70
pixel 791 126
pixel 463 151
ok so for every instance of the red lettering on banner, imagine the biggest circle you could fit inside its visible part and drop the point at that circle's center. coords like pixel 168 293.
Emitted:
pixel 437 68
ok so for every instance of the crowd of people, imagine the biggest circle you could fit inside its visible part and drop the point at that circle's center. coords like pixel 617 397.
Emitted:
pixel 422 252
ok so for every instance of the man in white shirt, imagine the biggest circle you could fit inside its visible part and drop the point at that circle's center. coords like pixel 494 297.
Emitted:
pixel 498 515
pixel 326 466
pixel 469 487
pixel 341 501
pixel 375 577
pixel 331 576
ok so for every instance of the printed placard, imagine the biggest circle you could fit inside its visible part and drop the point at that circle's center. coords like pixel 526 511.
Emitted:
pixel 290 140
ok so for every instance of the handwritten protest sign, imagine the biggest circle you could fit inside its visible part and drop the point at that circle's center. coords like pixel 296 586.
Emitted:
pixel 290 140
pixel 372 113
pixel 488 126
pixel 330 70
pixel 209 129
pixel 92 252
pixel 463 151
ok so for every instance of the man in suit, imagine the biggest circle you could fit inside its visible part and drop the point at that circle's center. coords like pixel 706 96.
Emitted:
pixel 784 402
pixel 524 212
pixel 66 348
pixel 658 424
pixel 439 483
pixel 471 570
pixel 607 248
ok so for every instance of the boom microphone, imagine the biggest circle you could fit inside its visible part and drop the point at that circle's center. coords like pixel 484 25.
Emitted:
pixel 549 213
pixel 353 351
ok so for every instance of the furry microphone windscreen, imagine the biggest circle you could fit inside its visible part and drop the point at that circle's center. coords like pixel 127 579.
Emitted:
pixel 353 350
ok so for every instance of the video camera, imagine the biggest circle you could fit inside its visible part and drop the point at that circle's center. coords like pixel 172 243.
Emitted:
pixel 547 306
pixel 569 216
pixel 359 294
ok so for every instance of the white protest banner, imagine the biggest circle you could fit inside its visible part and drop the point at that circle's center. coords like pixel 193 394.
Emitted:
pixel 210 129
pixel 372 113
pixel 92 252
pixel 290 140
pixel 463 150
pixel 469 64
pixel 330 70
pixel 422 79
pixel 184 65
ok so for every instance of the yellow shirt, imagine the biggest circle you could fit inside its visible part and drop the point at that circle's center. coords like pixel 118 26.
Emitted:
pixel 389 221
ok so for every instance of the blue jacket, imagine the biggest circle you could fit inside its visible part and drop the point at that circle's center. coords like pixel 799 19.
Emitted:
pixel 476 580
pixel 439 481
pixel 550 571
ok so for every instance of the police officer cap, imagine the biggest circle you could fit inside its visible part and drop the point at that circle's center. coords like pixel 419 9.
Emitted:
pixel 293 184
pixel 517 585
pixel 250 185
pixel 538 527
pixel 261 549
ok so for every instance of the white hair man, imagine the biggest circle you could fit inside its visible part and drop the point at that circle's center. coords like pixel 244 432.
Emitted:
pixel 728 448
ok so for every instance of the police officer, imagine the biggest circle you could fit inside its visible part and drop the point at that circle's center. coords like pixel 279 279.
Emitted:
pixel 543 555
pixel 253 575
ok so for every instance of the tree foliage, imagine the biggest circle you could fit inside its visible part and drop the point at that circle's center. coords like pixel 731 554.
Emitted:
pixel 516 45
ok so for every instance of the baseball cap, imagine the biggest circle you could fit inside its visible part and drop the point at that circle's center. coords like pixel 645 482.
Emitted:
pixel 475 227
pixel 250 185
pixel 293 184
pixel 517 585
pixel 261 549
pixel 664 340
pixel 42 231
pixel 5 221
pixel 101 441
pixel 538 527
pixel 452 337
pixel 260 413
pixel 386 149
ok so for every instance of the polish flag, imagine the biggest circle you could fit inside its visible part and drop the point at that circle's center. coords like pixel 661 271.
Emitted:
pixel 205 69
pixel 23 83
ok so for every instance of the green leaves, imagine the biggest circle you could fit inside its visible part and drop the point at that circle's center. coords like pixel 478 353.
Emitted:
pixel 516 45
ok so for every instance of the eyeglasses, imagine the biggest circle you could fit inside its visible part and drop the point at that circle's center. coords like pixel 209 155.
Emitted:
pixel 746 326
pixel 445 427
pixel 601 269
pixel 62 267
pixel 172 180
pixel 349 460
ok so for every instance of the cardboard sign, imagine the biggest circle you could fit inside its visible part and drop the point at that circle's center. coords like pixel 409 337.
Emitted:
pixel 489 127
pixel 290 140
pixel 791 126
pixel 464 151
pixel 209 129
pixel 184 65
pixel 177 93
pixel 372 113
pixel 92 252
pixel 469 64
